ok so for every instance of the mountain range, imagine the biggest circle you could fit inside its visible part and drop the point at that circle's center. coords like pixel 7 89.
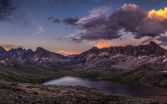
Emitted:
pixel 142 64
pixel 124 57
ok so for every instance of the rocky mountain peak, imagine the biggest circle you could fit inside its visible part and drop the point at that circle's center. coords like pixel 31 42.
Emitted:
pixel 152 43
pixel 141 50
pixel 1 48
pixel 39 49
pixel 93 49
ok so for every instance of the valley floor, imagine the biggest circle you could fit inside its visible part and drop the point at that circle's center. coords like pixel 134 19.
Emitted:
pixel 13 92
pixel 22 93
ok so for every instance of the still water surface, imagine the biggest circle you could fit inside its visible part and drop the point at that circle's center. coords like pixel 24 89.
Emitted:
pixel 129 89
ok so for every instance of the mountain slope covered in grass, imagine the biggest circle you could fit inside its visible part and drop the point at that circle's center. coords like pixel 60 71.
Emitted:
pixel 25 73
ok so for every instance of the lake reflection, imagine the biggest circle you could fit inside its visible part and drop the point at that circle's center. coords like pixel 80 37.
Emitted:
pixel 133 90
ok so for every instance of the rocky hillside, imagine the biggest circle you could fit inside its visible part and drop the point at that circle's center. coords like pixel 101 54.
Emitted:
pixel 127 57
pixel 40 57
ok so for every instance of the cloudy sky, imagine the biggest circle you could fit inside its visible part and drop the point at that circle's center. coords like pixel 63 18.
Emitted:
pixel 73 26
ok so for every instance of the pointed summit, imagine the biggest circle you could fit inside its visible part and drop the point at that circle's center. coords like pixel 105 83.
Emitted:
pixel 152 43
pixel 39 49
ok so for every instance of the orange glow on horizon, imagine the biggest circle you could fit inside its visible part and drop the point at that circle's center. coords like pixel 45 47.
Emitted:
pixel 104 44
pixel 68 52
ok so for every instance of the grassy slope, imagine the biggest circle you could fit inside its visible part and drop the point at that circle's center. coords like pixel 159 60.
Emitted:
pixel 29 74
pixel 147 74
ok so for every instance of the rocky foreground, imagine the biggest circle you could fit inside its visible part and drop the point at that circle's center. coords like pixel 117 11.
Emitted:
pixel 22 93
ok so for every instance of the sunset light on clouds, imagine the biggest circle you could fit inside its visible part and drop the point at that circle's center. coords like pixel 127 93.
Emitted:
pixel 59 26
pixel 161 13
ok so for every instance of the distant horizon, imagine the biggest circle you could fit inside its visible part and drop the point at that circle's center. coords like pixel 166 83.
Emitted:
pixel 76 53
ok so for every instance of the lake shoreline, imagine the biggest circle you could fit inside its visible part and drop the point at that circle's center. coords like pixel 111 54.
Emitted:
pixel 134 90
pixel 24 93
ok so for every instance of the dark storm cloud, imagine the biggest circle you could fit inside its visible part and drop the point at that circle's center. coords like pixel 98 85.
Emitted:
pixel 151 28
pixel 130 17
pixel 71 20
pixel 135 19
pixel 6 9
pixel 54 19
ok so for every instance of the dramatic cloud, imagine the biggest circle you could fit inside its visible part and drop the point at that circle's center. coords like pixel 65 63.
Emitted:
pixel 129 16
pixel 6 9
pixel 100 25
pixel 162 13
pixel 93 26
pixel 54 19
pixel 71 20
